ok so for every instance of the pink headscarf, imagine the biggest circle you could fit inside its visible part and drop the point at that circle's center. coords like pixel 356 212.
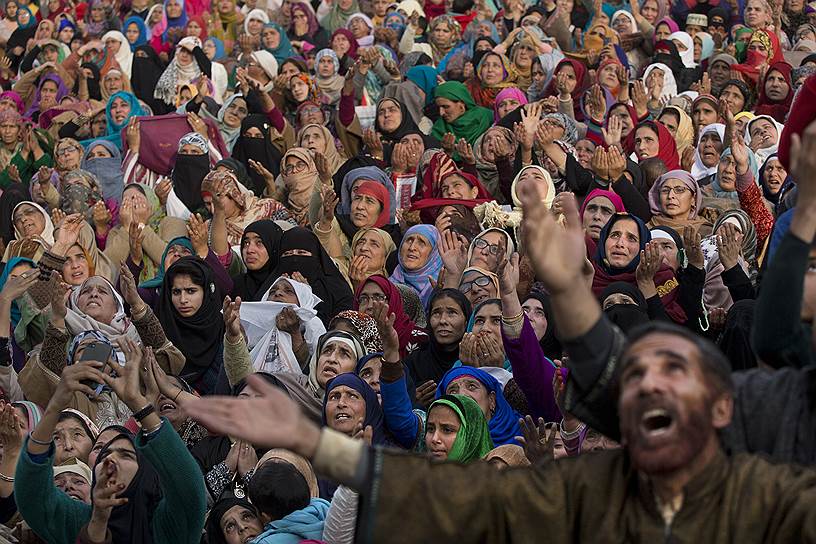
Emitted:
pixel 613 197
pixel 509 92
pixel 670 23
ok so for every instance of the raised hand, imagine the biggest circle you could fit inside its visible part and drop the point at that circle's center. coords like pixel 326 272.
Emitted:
pixel 448 143
pixel 425 393
pixel 612 132
pixel 373 142
pixel 691 244
pixel 385 319
pixel 125 380
pixel 17 285
pixel 728 245
pixel 101 216
pixel 508 272
pixel 197 124
pixel 399 159
pixel 232 319
pixel 288 321
pixel 135 238
pixel 616 163
pixel 323 168
pixel 465 151
pixel 564 85
pixel 133 134
pixel 198 234
pixel 330 202
pixel 596 104
pixel 12 429
pixel 640 99
pixel 537 440
pixel 68 233
pixel 453 250
pixel 127 286
pixel 650 261
pixel 358 269
pixel 600 163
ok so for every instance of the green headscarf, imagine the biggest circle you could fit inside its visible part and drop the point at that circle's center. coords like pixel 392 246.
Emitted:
pixel 740 46
pixel 338 17
pixel 473 439
pixel 471 124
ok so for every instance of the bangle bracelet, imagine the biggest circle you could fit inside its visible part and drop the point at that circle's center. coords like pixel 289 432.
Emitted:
pixel 6 478
pixel 513 317
pixel 144 412
pixel 148 432
pixel 39 442
pixel 177 395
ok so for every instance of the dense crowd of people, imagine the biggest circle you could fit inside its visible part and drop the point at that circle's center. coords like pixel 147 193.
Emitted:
pixel 280 271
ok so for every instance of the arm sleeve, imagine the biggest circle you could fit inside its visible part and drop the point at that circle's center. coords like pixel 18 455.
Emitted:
pixel 342 517
pixel 579 179
pixel 738 283
pixel 656 310
pixel 690 296
pixel 633 201
pixel 532 371
pixel 28 60
pixel 237 364
pixel 203 62
pixel 399 417
pixel 179 516
pixel 752 202
pixel 778 336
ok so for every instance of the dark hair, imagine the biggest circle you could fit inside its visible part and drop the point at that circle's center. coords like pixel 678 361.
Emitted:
pixel 715 365
pixel 458 297
pixel 652 168
pixel 269 378
pixel 184 267
pixel 674 113
pixel 278 489
pixel 462 6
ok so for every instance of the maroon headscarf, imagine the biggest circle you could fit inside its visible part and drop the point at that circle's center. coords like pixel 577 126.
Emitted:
pixel 314 26
pixel 581 83
pixel 352 52
pixel 406 329
pixel 667 150
pixel 766 106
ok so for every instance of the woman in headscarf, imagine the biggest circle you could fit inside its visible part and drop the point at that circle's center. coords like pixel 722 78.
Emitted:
pixel 188 311
pixel 18 40
pixel 260 253
pixel 103 159
pixel 118 111
pixel 763 50
pixel 31 225
pixel 371 250
pixel 239 205
pixel 118 52
pixel 187 65
pixel 419 260
pixel 8 24
pixel 538 310
pixel 112 82
pixel 444 35
pixel 338 14
pixel 99 18
pixel 616 257
pixel 275 41
pixel 50 91
pixel 679 125
pixel 472 440
pixel 149 484
pixel 344 45
pixel 676 201
pixel 725 287
pixel 762 134
pixel 448 314
pixel 282 328
pixel 301 251
pixel 329 80
pixel 459 114
pixel 379 288
pixel 393 121
pixel 362 326
pixel 707 154
pixel 300 181
pixel 343 394
pixel 652 139
pixel 135 30
pixel 255 145
pixel 492 73
pixel 575 82
pixel 773 178
pixel 775 92
pixel 685 46
pixel 495 171
pixel 231 516
pixel 508 100
pixel 319 139
pixel 304 28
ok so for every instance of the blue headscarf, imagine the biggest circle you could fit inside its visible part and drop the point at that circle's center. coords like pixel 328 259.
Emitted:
pixel 504 426
pixel 142 39
pixel 113 133
pixel 374 414
pixel 425 78
pixel 284 50
pixel 220 51
pixel 31 19
pixel 177 22
pixel 420 279
pixel 156 281
pixel 16 315
pixel 65 23
pixel 108 171
pixel 399 28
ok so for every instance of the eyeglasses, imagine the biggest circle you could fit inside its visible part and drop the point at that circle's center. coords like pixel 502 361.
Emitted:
pixel 679 191
pixel 65 150
pixel 365 299
pixel 493 249
pixel 293 168
pixel 481 281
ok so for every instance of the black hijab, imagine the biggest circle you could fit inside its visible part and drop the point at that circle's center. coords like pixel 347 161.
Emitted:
pixel 132 522
pixel 735 340
pixel 20 38
pixel 94 90
pixel 357 161
pixel 407 124
pixel 213 528
pixel 252 284
pixel 150 70
pixel 626 316
pixel 200 336
pixel 12 195
pixel 549 343
pixel 319 270
pixel 432 360
pixel 257 149
pixel 188 173
pixel 237 169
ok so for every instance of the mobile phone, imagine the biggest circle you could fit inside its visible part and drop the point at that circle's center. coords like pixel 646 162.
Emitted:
pixel 96 351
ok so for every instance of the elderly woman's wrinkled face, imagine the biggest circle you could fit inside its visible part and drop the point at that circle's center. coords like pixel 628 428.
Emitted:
pixel 734 98
pixel 365 209
pixel 71 440
pixel 359 28
pixel 28 221
pixel 720 72
pixel 763 134
pixel 585 149
pixel 727 174
pixel 473 388
pixel 271 38
pixel 523 56
pixel 370 294
pixel 283 292
pixel 596 214
pixel 74 485
pixel 345 409
pixel 447 321
pixel 99 125
pixel 507 105
pixel 370 246
pixel 340 45
pixel 668 251
pixel 313 139
pixel 662 32
pixel 710 148
pixel 622 25
pixel 415 251
pixel 623 243
pixel 676 199
pixel 756 14
pixel 254 26
pixel 9 133
pixel 336 357
pixel 776 87
pixel 450 110
pixel 775 175
pixel 486 250
pixel 96 299
pixel 240 525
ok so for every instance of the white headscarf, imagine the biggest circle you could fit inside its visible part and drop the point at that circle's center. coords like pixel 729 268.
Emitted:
pixel 257 14
pixel 259 321
pixel 368 39
pixel 548 180
pixel 124 57
pixel 269 64
pixel 633 28
pixel 686 56
pixel 47 234
pixel 669 83
pixel 763 154
pixel 176 75
pixel 700 170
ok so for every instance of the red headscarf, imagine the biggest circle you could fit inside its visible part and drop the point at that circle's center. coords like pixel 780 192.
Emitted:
pixel 766 106
pixel 754 59
pixel 200 20
pixel 802 113
pixel 595 193
pixel 406 329
pixel 606 62
pixel 667 151
pixel 440 167
pixel 352 52
pixel 379 192
pixel 581 82
pixel 433 10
